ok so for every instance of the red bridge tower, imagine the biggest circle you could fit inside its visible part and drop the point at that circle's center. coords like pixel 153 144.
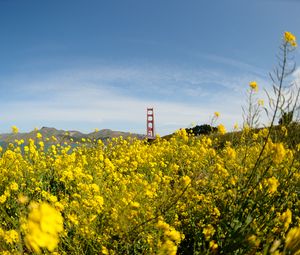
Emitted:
pixel 150 124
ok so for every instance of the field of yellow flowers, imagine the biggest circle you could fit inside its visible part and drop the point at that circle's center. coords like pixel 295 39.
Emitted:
pixel 184 195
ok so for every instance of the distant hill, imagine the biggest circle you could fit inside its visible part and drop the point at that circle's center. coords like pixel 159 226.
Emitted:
pixel 65 135
pixel 234 137
pixel 204 129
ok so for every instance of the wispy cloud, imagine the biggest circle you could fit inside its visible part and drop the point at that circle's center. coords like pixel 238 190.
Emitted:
pixel 110 96
pixel 241 65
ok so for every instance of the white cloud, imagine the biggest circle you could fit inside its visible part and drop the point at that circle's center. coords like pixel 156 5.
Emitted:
pixel 110 96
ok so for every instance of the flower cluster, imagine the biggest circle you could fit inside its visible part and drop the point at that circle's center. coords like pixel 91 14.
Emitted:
pixel 44 225
pixel 253 85
pixel 290 39
pixel 127 195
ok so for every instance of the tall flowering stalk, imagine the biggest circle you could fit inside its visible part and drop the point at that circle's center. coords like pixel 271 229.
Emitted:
pixel 259 170
pixel 278 78
pixel 251 114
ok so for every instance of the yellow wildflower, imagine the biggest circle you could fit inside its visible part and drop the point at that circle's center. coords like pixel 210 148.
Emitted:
pixel 255 136
pixel 253 240
pixel 273 184
pixel 186 180
pixel 14 129
pixel 104 250
pixel 44 225
pixel 279 153
pixel 290 38
pixel 168 248
pixel 221 129
pixel 134 204
pixel 292 242
pixel 208 231
pixel 260 102
pixel 14 186
pixel 253 85
pixel 286 217
pixel 22 199
pixel 213 245
pixel 217 114
pixel 73 219
pixel 231 153
pixel 216 212
pixel 173 234
pixel 181 133
pixel 3 199
pixel 39 136
pixel 11 236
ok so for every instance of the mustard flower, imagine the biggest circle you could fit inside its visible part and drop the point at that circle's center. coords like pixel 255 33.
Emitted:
pixel 273 184
pixel 11 236
pixel 208 231
pixel 14 129
pixel 286 217
pixel 135 204
pixel 253 240
pixel 14 186
pixel 217 114
pixel 22 199
pixel 181 133
pixel 261 102
pixel 186 180
pixel 221 129
pixel 168 248
pixel 39 136
pixel 104 250
pixel 3 199
pixel 44 225
pixel 213 245
pixel 292 242
pixel 290 39
pixel 231 153
pixel 253 85
pixel 279 153
pixel 173 235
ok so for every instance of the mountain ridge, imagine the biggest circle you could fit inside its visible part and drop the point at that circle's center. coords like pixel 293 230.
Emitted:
pixel 66 135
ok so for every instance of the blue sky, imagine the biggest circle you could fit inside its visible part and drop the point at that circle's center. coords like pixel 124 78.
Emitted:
pixel 99 64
